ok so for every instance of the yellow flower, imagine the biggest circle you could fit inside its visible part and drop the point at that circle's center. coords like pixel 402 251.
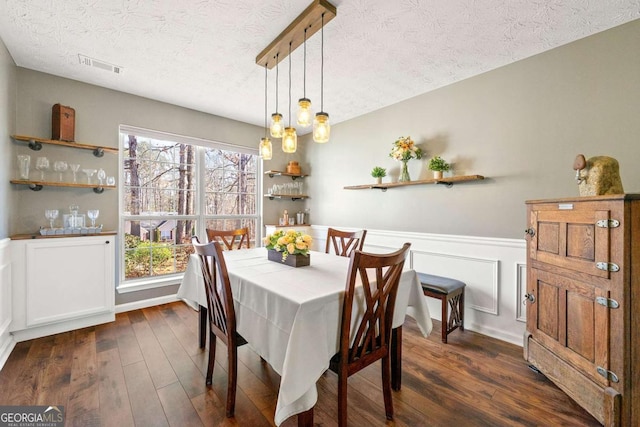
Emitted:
pixel 301 245
pixel 291 248
pixel 282 241
pixel 306 238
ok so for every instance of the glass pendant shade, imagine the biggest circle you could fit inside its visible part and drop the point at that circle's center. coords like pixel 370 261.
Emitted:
pixel 321 128
pixel 276 125
pixel 266 151
pixel 304 112
pixel 289 140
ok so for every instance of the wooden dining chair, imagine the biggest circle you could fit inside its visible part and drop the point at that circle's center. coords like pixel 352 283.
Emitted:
pixel 229 237
pixel 344 242
pixel 221 314
pixel 370 338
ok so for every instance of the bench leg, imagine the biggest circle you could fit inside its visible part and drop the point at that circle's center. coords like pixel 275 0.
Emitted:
pixel 445 319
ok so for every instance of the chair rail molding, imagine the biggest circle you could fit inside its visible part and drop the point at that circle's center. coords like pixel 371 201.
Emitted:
pixel 7 343
pixel 491 267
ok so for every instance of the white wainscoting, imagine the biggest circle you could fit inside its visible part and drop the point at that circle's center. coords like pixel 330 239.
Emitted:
pixel 6 339
pixel 494 270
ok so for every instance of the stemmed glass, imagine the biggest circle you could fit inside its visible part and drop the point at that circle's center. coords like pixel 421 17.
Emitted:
pixel 60 167
pixel 90 173
pixel 42 164
pixel 101 175
pixel 93 215
pixel 75 167
pixel 51 215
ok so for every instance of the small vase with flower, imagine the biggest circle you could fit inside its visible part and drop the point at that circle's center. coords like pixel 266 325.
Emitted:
pixel 404 149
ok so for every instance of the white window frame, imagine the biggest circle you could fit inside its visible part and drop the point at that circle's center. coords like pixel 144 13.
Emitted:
pixel 133 285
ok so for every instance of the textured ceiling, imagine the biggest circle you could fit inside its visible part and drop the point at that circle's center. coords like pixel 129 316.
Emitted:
pixel 201 54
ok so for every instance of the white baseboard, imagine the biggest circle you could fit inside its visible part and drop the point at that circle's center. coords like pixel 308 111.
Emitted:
pixel 136 305
pixel 7 344
pixel 56 328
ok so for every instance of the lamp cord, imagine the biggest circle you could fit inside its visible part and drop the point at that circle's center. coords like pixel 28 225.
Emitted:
pixel 289 84
pixel 304 67
pixel 277 78
pixel 265 100
pixel 322 65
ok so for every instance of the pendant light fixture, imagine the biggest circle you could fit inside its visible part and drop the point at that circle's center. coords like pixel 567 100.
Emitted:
pixel 304 103
pixel 276 118
pixel 266 152
pixel 321 126
pixel 290 138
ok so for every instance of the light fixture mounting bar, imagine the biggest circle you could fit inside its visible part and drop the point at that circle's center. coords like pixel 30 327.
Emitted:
pixel 310 19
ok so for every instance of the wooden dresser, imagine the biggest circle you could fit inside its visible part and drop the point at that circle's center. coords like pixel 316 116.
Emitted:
pixel 583 301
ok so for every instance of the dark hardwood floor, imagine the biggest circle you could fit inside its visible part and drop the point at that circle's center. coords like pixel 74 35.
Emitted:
pixel 146 369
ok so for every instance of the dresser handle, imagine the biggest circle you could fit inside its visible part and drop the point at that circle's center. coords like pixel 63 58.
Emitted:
pixel 530 231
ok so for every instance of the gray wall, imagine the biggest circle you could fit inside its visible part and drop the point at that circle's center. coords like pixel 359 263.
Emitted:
pixel 520 126
pixel 99 112
pixel 7 126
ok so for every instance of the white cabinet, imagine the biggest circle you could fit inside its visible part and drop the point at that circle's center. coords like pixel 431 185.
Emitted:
pixel 60 284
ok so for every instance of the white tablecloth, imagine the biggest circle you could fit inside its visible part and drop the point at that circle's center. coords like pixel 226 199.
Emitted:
pixel 290 316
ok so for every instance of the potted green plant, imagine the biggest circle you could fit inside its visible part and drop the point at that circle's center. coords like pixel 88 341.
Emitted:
pixel 438 165
pixel 378 173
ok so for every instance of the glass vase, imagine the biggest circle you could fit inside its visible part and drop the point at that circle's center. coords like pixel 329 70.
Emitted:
pixel 404 174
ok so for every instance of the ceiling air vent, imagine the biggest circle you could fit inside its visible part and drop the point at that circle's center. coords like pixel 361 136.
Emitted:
pixel 90 62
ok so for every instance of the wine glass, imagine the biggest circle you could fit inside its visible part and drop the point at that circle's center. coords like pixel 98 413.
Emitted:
pixel 101 175
pixel 75 167
pixel 60 167
pixel 89 173
pixel 93 215
pixel 51 215
pixel 42 164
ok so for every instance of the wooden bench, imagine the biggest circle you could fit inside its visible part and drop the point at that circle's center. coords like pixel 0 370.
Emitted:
pixel 451 293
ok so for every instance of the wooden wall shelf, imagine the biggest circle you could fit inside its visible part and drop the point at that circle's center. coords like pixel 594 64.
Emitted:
pixel 286 196
pixel 280 173
pixel 36 145
pixel 444 181
pixel 38 185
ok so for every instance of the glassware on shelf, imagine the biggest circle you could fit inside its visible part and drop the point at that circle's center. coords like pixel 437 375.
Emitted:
pixel 93 215
pixel 75 167
pixel 42 164
pixel 89 173
pixel 24 161
pixel 60 167
pixel 73 210
pixel 101 176
pixel 51 215
pixel 111 180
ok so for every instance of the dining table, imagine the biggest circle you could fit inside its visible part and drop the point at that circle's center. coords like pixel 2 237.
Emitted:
pixel 291 316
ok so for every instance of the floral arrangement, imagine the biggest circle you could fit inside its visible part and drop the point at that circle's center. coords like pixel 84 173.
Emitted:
pixel 288 242
pixel 404 149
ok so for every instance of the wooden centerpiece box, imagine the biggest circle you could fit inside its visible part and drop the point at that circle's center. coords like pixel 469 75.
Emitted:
pixel 293 260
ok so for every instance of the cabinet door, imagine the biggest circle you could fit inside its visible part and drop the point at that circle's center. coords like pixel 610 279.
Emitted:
pixel 571 239
pixel 566 319
pixel 69 278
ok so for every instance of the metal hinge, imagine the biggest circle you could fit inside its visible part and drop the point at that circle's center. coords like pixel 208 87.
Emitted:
pixel 607 374
pixel 608 223
pixel 607 302
pixel 607 266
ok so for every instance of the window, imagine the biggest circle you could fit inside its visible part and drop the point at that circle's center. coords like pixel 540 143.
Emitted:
pixel 175 187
